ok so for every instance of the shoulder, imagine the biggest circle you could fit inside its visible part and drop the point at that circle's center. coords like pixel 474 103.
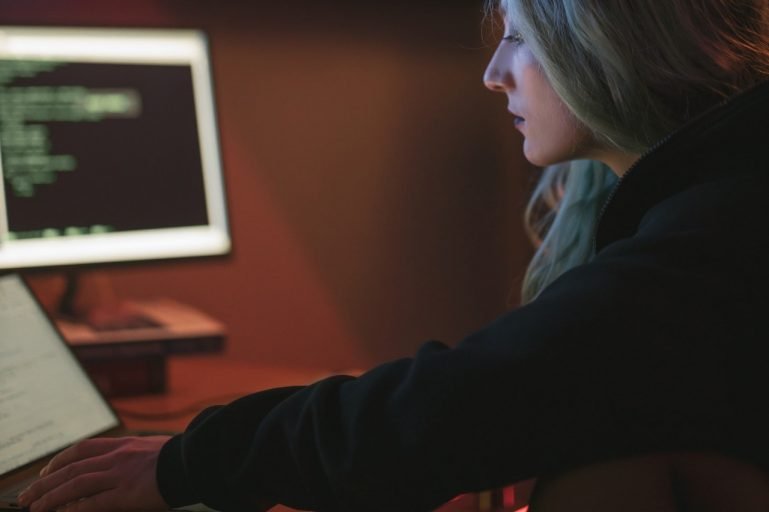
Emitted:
pixel 726 208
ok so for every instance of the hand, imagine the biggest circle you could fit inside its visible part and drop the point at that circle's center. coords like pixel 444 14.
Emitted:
pixel 100 475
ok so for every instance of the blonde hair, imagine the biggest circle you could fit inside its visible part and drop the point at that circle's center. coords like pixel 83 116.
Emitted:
pixel 632 71
pixel 560 219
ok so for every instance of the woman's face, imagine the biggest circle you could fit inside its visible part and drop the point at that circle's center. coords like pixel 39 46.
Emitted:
pixel 551 132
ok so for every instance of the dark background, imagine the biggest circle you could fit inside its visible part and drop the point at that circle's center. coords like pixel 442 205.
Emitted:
pixel 376 187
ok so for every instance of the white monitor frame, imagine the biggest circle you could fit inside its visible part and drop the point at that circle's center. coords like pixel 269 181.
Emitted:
pixel 117 45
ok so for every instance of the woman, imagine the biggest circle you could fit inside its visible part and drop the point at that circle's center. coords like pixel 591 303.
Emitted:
pixel 636 376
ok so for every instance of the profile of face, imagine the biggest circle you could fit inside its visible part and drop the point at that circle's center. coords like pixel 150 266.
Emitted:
pixel 551 132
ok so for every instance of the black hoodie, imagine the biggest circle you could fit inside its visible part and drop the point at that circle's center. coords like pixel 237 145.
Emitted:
pixel 660 343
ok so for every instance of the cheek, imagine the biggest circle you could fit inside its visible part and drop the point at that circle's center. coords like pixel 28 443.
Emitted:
pixel 555 135
pixel 552 133
pixel 554 138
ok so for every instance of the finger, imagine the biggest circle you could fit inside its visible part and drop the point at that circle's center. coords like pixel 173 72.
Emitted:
pixel 82 486
pixel 57 478
pixel 82 450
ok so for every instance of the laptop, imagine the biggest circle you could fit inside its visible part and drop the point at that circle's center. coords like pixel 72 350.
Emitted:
pixel 47 401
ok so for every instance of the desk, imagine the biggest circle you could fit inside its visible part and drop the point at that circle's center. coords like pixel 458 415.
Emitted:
pixel 195 382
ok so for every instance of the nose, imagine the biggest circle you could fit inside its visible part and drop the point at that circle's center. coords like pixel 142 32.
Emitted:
pixel 497 78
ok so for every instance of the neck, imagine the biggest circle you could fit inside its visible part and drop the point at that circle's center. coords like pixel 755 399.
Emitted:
pixel 619 162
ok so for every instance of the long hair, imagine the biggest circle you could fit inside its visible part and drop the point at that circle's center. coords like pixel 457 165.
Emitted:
pixel 560 219
pixel 631 71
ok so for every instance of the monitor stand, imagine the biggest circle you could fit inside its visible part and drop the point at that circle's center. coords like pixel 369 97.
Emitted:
pixel 91 300
pixel 88 310
pixel 124 344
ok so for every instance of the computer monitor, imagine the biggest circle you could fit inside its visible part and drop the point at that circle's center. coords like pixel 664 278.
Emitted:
pixel 109 147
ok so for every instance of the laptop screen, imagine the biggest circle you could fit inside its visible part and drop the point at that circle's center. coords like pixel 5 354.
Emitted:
pixel 47 402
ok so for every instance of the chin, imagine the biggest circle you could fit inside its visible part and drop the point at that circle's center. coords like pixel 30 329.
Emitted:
pixel 539 159
pixel 542 157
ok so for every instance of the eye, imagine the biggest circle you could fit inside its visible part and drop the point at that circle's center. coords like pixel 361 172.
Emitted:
pixel 515 38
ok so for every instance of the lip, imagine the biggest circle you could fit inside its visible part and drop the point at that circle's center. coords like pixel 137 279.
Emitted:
pixel 518 117
pixel 518 120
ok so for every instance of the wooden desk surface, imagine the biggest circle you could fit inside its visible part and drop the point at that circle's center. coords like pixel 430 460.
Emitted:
pixel 196 382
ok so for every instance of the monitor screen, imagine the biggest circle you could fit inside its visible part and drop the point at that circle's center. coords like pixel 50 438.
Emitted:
pixel 108 146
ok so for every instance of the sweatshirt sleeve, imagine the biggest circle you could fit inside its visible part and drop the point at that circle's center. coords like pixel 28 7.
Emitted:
pixel 563 380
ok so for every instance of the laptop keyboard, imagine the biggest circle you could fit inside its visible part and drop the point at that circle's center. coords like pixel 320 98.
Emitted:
pixel 9 495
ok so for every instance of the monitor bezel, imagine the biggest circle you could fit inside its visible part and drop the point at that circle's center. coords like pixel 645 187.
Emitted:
pixel 74 252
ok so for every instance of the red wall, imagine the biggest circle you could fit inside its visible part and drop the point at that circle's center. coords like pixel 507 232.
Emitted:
pixel 375 186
